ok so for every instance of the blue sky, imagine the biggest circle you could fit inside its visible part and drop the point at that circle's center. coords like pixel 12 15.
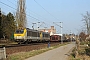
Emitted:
pixel 66 11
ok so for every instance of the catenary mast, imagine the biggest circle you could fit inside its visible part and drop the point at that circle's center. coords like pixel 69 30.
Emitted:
pixel 20 14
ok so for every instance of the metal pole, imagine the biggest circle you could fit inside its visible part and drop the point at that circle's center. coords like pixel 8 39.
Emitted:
pixel 71 35
pixel 33 25
pixel 0 18
pixel 45 31
pixel 37 25
pixel 61 33
pixel 37 29
pixel 60 29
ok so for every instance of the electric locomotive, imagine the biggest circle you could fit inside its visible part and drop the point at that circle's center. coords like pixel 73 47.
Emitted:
pixel 26 35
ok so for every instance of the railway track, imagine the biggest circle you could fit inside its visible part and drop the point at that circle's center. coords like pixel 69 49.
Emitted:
pixel 17 45
pixel 15 48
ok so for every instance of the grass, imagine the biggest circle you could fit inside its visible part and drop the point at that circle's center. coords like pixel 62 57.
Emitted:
pixel 82 53
pixel 24 55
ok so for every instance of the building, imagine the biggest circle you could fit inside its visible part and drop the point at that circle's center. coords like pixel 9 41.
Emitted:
pixel 52 30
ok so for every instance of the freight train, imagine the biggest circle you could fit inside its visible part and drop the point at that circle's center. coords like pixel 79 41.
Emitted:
pixel 27 35
pixel 58 38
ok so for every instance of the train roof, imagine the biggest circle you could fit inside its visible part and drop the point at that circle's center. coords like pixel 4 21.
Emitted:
pixel 34 30
pixel 31 29
pixel 55 35
pixel 58 34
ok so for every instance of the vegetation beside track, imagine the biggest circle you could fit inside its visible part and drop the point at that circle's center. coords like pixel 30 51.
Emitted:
pixel 83 52
pixel 24 55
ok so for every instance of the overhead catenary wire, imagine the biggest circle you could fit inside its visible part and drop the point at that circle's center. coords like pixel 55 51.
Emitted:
pixel 16 9
pixel 36 18
pixel 8 5
pixel 45 9
pixel 39 20
pixel 12 2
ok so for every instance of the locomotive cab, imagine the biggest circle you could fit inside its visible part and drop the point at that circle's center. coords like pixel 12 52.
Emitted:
pixel 20 35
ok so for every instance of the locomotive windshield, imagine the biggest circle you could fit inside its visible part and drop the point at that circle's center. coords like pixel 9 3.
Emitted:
pixel 19 31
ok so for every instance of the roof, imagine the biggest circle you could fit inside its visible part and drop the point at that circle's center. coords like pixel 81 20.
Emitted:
pixel 58 34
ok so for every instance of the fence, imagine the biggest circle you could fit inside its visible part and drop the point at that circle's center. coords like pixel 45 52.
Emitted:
pixel 2 53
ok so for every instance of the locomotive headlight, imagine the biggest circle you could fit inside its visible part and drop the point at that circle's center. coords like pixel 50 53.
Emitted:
pixel 19 37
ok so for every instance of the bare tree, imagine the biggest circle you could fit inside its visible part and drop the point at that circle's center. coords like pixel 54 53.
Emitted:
pixel 86 19
pixel 21 14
